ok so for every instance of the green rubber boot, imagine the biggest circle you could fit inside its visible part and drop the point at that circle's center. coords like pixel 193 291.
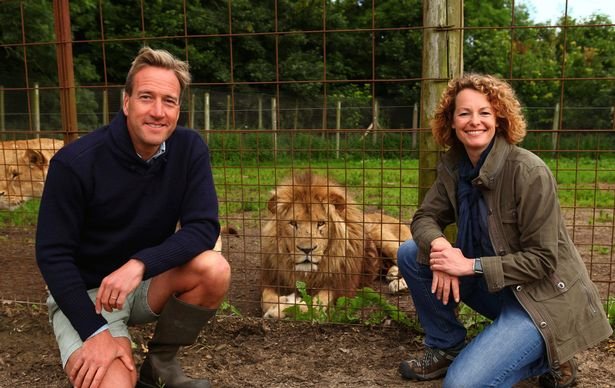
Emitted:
pixel 179 324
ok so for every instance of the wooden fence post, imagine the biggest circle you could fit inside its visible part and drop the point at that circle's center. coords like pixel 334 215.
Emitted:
pixel 105 107
pixel 415 124
pixel 296 117
pixel 338 127
pixel 260 112
pixel 442 60
pixel 206 117
pixel 375 122
pixel 555 128
pixel 192 111
pixel 274 125
pixel 2 110
pixel 36 110
pixel 228 112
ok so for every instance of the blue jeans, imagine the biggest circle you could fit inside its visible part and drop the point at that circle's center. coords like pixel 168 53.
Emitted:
pixel 509 350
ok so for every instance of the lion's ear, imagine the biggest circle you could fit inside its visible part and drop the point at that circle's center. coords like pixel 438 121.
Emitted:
pixel 337 200
pixel 35 158
pixel 271 204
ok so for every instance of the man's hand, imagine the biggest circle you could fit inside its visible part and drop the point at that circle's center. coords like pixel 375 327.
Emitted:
pixel 89 364
pixel 115 288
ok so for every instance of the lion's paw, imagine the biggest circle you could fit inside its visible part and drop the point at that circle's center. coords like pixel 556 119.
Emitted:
pixel 286 301
pixel 276 312
pixel 396 282
pixel 393 273
pixel 398 285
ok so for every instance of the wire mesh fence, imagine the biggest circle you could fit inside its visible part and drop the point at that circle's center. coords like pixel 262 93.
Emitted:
pixel 331 87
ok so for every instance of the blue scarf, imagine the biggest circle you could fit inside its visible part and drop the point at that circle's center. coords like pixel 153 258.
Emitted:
pixel 472 233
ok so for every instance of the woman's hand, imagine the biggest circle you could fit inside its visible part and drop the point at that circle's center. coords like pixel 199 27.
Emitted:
pixel 451 261
pixel 439 244
pixel 442 284
pixel 447 264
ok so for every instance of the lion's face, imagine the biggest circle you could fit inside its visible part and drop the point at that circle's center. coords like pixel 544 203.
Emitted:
pixel 315 234
pixel 306 231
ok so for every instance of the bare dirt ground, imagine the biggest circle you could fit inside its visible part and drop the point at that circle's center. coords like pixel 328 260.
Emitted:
pixel 248 351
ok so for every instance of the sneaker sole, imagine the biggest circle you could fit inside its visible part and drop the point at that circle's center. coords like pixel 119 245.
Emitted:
pixel 409 374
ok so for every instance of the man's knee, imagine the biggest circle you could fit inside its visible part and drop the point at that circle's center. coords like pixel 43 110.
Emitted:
pixel 212 268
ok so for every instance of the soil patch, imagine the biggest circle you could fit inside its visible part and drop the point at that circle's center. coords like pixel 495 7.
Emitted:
pixel 248 351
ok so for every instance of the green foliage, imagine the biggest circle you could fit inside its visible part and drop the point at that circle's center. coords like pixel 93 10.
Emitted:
pixel 473 322
pixel 367 307
pixel 609 307
pixel 245 47
pixel 314 313
pixel 601 249
pixel 24 216
pixel 227 307
pixel 603 216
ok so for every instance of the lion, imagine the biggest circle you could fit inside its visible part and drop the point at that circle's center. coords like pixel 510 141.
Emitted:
pixel 318 234
pixel 23 169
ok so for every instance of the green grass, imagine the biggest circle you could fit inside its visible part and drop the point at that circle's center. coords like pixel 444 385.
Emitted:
pixel 387 184
pixel 24 216
pixel 392 185
pixel 609 307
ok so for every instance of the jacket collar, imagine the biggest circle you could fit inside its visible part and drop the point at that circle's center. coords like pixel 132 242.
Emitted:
pixel 491 168
pixel 494 163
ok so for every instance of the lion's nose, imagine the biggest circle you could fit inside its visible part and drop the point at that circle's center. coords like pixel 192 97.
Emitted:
pixel 307 250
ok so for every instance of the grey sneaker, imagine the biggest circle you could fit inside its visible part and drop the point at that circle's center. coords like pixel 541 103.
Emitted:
pixel 565 377
pixel 432 365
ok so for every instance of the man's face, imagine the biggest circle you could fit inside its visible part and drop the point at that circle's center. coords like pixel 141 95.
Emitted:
pixel 152 110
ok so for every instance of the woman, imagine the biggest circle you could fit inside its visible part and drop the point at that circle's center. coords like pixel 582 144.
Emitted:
pixel 513 260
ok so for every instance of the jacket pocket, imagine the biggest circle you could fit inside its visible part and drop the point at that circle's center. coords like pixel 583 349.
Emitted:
pixel 563 304
pixel 510 228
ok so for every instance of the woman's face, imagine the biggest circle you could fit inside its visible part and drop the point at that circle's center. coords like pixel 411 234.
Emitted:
pixel 474 122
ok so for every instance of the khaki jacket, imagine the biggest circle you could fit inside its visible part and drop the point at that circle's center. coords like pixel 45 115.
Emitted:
pixel 535 255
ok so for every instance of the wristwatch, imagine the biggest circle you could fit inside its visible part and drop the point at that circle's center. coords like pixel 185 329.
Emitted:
pixel 478 267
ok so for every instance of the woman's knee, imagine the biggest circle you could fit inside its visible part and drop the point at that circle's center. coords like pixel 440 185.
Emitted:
pixel 406 255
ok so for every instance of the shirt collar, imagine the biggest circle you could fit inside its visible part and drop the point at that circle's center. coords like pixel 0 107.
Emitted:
pixel 161 150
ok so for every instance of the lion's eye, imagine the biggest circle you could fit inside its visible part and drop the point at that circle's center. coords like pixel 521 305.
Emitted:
pixel 321 224
pixel 293 223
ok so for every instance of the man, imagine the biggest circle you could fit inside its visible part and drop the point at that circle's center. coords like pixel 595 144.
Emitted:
pixel 107 244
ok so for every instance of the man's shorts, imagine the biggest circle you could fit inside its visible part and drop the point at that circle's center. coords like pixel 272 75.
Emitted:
pixel 136 310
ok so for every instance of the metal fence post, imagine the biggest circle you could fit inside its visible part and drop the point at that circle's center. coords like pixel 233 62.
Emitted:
pixel 66 76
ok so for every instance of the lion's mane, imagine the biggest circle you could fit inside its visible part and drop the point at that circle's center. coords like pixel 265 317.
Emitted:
pixel 350 258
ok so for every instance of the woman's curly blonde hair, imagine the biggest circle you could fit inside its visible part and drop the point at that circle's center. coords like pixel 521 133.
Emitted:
pixel 509 118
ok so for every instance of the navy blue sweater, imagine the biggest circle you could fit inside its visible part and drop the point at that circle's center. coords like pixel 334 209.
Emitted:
pixel 102 205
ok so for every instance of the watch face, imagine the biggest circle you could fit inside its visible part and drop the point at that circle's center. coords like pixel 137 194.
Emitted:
pixel 478 268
